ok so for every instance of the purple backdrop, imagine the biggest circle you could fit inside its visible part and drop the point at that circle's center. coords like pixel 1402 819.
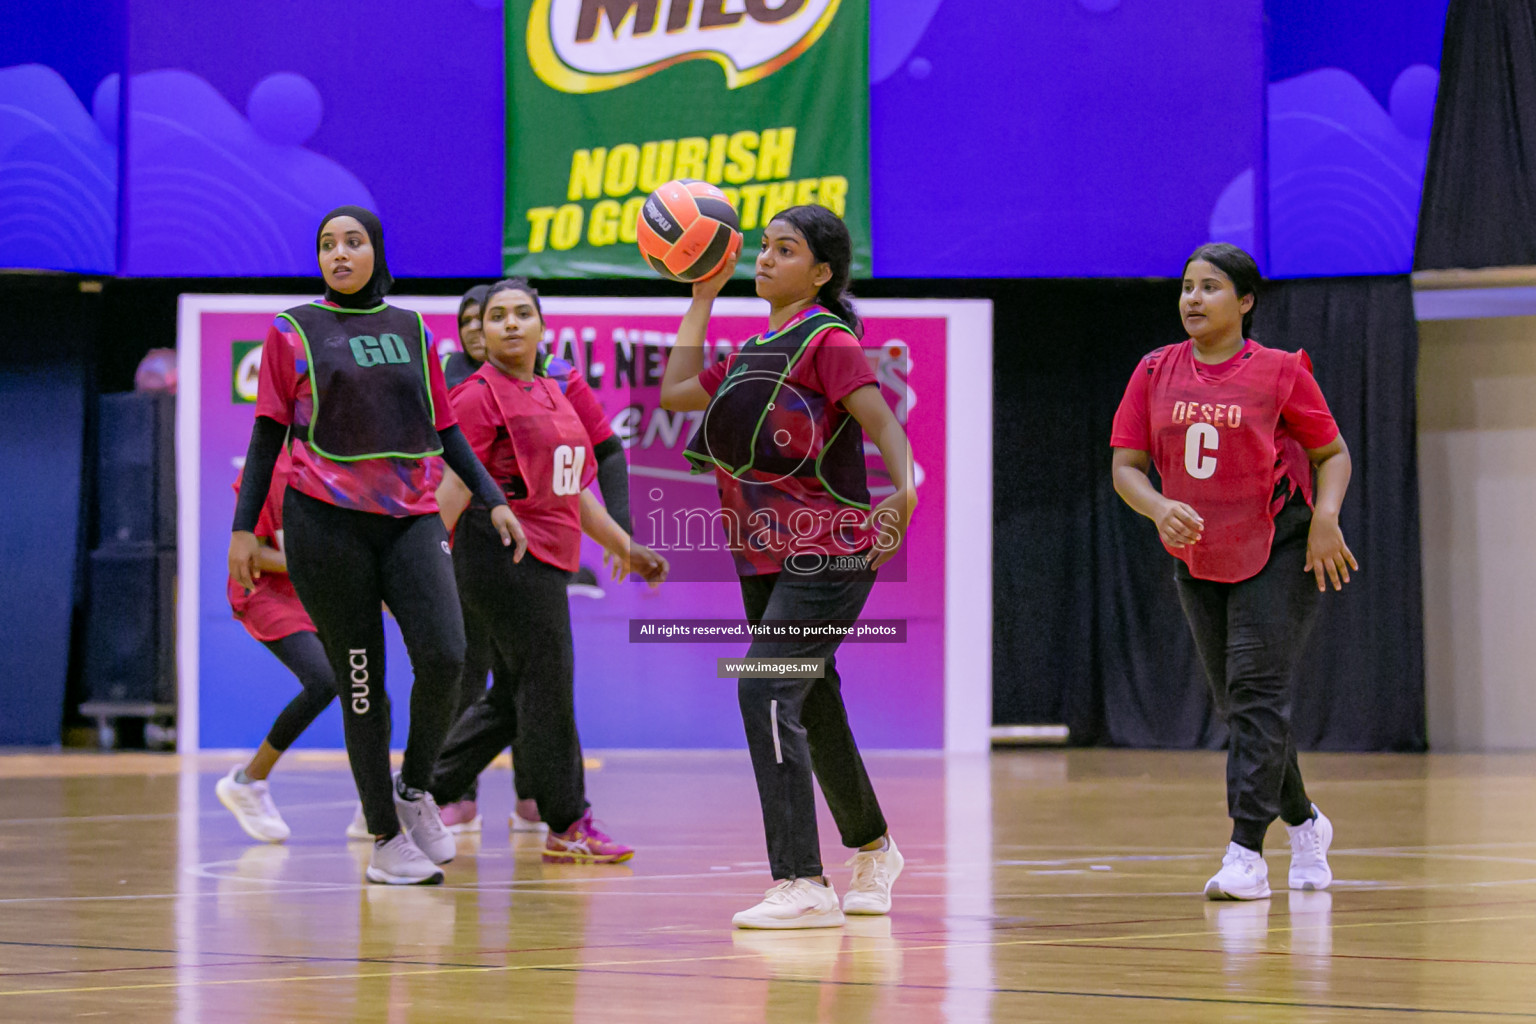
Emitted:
pixel 1047 138
pixel 405 98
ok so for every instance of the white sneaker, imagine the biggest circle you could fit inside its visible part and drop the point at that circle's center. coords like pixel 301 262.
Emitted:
pixel 401 862
pixel 251 804
pixel 794 903
pixel 357 828
pixel 1243 876
pixel 1309 853
pixel 520 823
pixel 874 872
pixel 420 819
pixel 466 828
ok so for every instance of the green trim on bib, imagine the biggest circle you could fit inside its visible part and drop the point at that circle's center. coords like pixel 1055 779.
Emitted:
pixel 314 391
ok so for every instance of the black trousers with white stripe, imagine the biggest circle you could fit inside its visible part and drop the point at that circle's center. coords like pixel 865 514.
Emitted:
pixel 798 729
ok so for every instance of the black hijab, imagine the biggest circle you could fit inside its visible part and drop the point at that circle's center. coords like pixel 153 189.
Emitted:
pixel 474 297
pixel 372 293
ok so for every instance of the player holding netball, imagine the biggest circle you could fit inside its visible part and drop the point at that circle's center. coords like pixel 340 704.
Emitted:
pixel 1236 431
pixel 782 430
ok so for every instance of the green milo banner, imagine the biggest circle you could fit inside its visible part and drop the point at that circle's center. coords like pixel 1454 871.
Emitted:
pixel 608 99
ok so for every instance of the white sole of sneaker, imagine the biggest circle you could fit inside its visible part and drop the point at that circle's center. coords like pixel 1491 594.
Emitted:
pixel 385 878
pixel 1215 892
pixel 524 825
pixel 822 919
pixel 229 804
pixel 465 827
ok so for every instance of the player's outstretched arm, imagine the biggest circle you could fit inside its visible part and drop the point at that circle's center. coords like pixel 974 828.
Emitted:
pixel 680 388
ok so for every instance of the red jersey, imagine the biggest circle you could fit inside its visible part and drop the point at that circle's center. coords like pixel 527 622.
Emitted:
pixel 395 487
pixel 531 440
pixel 579 393
pixel 799 514
pixel 271 610
pixel 1230 441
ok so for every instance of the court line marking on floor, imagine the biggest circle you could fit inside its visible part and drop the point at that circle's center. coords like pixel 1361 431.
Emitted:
pixel 579 966
pixel 534 886
pixel 278 959
pixel 711 936
pixel 210 815
pixel 1070 993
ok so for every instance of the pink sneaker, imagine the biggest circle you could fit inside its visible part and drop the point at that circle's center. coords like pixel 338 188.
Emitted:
pixel 460 817
pixel 584 843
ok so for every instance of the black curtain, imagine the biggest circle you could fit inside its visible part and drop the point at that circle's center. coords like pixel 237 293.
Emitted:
pixel 1087 626
pixel 1479 203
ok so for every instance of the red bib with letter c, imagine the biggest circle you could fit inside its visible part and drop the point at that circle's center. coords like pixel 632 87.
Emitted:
pixel 554 459
pixel 1216 447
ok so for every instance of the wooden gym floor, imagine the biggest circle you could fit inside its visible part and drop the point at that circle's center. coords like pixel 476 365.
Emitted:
pixel 1040 886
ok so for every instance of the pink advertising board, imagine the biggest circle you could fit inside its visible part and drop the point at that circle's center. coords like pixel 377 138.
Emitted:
pixel 928 689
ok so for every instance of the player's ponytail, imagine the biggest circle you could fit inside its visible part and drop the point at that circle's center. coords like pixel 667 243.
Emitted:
pixel 827 236
pixel 1240 269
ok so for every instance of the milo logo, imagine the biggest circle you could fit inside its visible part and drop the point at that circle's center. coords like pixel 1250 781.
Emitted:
pixel 586 46
pixel 245 364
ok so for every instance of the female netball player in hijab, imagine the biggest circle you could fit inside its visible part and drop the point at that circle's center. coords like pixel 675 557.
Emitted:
pixel 533 443
pixel 357 386
pixel 782 432
pixel 1236 431
pixel 270 611
pixel 459 365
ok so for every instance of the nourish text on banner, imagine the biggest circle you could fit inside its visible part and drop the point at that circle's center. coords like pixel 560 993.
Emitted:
pixel 609 99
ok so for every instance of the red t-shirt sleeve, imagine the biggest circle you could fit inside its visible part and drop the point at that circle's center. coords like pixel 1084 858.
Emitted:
pixel 579 393
pixel 837 365
pixel 1133 420
pixel 478 416
pixel 277 383
pixel 712 375
pixel 1305 413
pixel 439 386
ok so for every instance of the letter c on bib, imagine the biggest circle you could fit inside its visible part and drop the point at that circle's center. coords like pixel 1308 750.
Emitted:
pixel 1200 443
